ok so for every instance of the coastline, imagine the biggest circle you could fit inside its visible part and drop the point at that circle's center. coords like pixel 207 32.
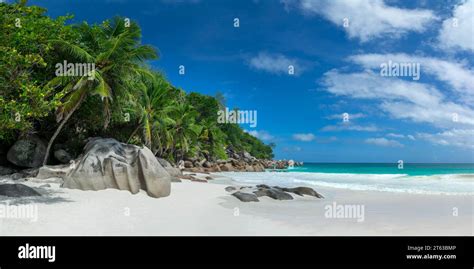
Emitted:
pixel 199 208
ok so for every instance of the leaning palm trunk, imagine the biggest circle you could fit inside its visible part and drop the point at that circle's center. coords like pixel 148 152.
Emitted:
pixel 133 133
pixel 58 130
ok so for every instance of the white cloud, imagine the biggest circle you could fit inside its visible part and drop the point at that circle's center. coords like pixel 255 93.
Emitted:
pixel 401 99
pixel 350 127
pixel 457 75
pixel 458 32
pixel 276 63
pixel 370 85
pixel 304 137
pixel 401 136
pixel 456 137
pixel 383 142
pixel 414 101
pixel 351 116
pixel 441 115
pixel 367 19
pixel 263 135
pixel 395 135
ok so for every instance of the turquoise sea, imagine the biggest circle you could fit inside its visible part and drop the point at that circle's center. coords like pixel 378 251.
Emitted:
pixel 448 179
pixel 411 169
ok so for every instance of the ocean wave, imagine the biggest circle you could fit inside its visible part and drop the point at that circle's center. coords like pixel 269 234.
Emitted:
pixel 449 184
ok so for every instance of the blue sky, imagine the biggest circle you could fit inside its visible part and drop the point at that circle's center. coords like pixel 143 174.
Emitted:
pixel 336 48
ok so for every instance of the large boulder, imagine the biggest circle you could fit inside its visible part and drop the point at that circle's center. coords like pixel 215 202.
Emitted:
pixel 174 172
pixel 249 168
pixel 188 164
pixel 54 171
pixel 258 168
pixel 246 155
pixel 27 152
pixel 62 156
pixel 17 190
pixel 107 163
pixel 227 167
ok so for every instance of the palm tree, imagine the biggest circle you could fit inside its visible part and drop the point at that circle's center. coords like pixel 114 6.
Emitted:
pixel 212 138
pixel 220 97
pixel 185 130
pixel 155 103
pixel 118 56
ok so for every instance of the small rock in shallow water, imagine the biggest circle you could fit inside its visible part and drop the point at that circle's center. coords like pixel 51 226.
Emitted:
pixel 230 189
pixel 277 194
pixel 260 192
pixel 245 197
pixel 303 191
pixel 17 190
pixel 45 186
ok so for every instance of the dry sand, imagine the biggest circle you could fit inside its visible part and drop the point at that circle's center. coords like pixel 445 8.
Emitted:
pixel 196 208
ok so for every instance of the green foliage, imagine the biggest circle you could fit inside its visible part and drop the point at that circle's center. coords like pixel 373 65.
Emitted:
pixel 241 140
pixel 26 64
pixel 122 98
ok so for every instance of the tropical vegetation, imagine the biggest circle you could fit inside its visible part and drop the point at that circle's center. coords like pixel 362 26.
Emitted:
pixel 122 97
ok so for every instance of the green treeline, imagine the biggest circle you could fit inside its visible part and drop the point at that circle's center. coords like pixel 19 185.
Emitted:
pixel 119 97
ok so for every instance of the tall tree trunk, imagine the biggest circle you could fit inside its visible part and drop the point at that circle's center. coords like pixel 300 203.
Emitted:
pixel 134 132
pixel 60 127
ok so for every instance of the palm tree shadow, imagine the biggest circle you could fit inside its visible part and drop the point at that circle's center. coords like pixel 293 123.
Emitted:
pixel 47 197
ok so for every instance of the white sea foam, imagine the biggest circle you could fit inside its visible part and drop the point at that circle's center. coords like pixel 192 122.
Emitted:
pixel 450 184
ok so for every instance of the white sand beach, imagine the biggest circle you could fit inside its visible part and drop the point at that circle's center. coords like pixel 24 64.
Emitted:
pixel 196 208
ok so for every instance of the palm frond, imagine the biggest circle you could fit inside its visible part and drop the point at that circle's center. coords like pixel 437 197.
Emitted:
pixel 143 53
pixel 102 89
pixel 74 51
